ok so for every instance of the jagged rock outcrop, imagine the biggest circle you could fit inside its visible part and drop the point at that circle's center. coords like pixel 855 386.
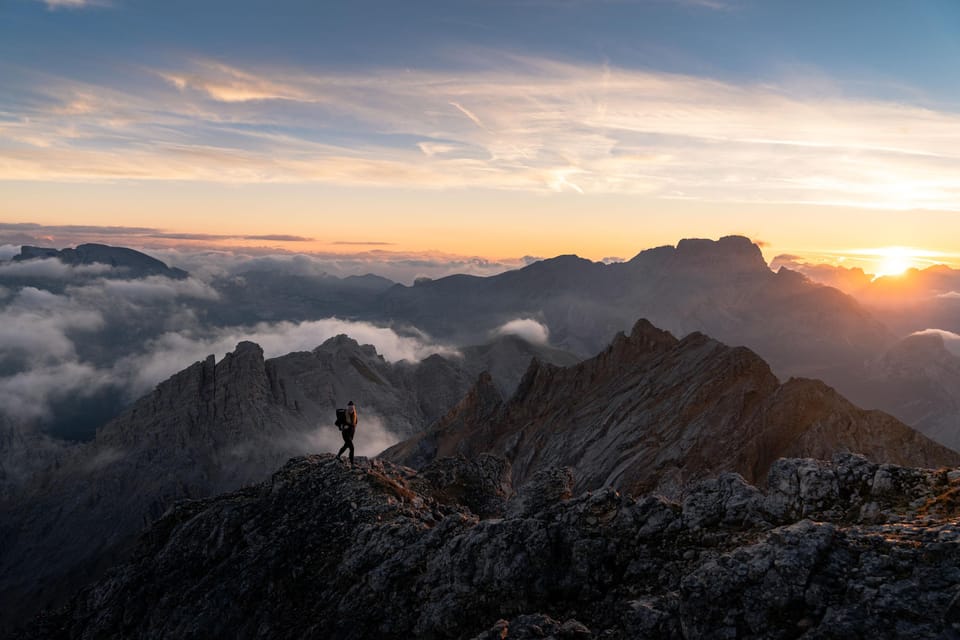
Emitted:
pixel 213 427
pixel 482 485
pixel 322 550
pixel 652 411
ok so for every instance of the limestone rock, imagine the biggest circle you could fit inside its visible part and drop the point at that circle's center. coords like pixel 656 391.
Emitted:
pixel 655 412
pixel 322 550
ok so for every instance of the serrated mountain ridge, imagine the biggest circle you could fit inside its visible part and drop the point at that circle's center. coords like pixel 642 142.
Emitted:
pixel 654 412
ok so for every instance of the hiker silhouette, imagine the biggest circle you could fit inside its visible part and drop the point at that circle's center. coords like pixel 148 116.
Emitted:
pixel 348 426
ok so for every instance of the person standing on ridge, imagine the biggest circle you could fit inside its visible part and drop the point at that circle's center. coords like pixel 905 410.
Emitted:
pixel 347 429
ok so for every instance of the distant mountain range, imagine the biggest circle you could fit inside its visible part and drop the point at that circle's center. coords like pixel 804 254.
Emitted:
pixel 723 288
pixel 915 300
pixel 132 263
pixel 649 411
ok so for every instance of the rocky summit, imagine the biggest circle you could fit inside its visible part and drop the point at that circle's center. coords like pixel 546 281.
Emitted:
pixel 213 427
pixel 656 412
pixel 847 548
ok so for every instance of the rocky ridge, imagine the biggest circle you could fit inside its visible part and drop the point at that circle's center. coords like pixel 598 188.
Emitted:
pixel 213 427
pixel 847 548
pixel 655 412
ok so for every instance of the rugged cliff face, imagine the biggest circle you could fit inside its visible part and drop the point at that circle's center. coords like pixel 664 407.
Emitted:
pixel 213 427
pixel 842 549
pixel 652 411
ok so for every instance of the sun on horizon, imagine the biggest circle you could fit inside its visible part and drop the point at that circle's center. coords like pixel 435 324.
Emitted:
pixel 895 261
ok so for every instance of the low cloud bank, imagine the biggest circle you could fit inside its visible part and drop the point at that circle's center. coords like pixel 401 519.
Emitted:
pixel 150 289
pixel 174 351
pixel 29 395
pixel 44 336
pixel 400 267
pixel 371 438
pixel 7 251
pixel 52 269
pixel 527 328
pixel 80 340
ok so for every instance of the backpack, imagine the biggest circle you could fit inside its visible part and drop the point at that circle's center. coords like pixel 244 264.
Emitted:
pixel 341 418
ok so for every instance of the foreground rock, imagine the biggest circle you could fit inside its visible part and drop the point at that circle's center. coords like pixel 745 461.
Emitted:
pixel 843 549
pixel 652 412
pixel 211 428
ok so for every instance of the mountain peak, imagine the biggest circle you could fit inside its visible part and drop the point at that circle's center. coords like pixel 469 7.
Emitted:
pixel 139 264
pixel 728 254
pixel 338 342
pixel 653 411
pixel 644 331
pixel 930 344
pixel 729 250
pixel 247 351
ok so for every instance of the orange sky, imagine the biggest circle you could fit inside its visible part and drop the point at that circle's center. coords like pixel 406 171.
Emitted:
pixel 487 223
pixel 496 153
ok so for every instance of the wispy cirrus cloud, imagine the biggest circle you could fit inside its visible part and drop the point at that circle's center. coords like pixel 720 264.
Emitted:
pixel 214 237
pixel 519 124
pixel 229 84
pixel 15 234
pixel 362 243
pixel 53 5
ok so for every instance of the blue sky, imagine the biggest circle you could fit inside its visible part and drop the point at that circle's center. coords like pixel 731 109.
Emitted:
pixel 910 43
pixel 684 111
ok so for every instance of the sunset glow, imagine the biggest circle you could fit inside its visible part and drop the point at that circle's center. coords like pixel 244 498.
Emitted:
pixel 895 261
pixel 449 129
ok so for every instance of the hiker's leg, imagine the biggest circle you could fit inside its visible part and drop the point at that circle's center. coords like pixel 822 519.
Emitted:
pixel 342 449
pixel 350 444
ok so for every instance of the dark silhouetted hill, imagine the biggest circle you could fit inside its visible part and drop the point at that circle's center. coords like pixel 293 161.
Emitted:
pixel 137 264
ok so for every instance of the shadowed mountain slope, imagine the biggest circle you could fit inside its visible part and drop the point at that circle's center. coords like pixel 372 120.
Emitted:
pixel 214 427
pixel 845 549
pixel 917 380
pixel 723 288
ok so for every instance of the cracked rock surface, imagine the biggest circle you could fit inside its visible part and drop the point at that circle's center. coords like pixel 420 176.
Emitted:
pixel 846 548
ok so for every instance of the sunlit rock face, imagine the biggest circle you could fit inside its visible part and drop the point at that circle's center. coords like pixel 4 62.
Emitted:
pixel 655 412
pixel 847 548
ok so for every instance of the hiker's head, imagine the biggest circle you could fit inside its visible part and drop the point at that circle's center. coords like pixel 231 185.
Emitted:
pixel 352 408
